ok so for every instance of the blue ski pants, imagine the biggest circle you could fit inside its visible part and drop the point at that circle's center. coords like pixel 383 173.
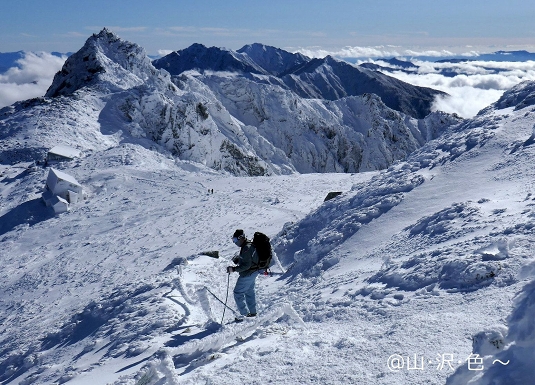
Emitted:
pixel 244 293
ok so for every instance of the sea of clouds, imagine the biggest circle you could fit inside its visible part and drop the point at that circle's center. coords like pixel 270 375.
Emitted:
pixel 29 78
pixel 471 85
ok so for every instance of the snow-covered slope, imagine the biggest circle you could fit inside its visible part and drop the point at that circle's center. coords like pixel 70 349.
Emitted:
pixel 417 265
pixel 398 280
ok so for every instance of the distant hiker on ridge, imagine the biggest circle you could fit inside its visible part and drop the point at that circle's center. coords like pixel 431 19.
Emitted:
pixel 244 291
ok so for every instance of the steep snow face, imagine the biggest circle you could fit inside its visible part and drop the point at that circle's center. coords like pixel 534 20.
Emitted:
pixel 274 60
pixel 351 134
pixel 105 61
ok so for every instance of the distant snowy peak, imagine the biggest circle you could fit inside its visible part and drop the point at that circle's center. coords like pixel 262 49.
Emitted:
pixel 106 60
pixel 253 58
pixel 201 58
pixel 332 79
pixel 274 60
pixel 327 78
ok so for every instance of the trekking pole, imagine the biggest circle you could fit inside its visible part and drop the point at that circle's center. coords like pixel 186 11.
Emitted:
pixel 226 298
pixel 224 304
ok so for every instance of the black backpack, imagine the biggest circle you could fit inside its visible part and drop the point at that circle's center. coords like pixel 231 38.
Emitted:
pixel 263 250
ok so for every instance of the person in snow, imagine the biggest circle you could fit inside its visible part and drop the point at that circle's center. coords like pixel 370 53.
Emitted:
pixel 244 291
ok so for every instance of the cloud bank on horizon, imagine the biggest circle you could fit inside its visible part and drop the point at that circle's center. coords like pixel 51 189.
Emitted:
pixel 381 52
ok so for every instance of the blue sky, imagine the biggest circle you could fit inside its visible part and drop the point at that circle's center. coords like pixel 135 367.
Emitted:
pixel 395 25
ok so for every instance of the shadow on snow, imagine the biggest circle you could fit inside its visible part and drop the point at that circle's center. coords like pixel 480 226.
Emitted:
pixel 30 212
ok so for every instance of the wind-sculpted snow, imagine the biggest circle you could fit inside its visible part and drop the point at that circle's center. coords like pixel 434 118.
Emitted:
pixel 508 357
pixel 118 326
pixel 476 263
pixel 302 246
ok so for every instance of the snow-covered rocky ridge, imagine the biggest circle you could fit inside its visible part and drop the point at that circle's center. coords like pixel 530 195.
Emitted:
pixel 242 122
pixel 429 259
pixel 327 78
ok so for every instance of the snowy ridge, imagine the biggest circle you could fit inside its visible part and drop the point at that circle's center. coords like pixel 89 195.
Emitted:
pixel 326 78
pixel 274 60
pixel 245 123
pixel 199 57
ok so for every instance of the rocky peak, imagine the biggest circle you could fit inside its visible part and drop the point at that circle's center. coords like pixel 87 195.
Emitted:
pixel 274 60
pixel 201 58
pixel 105 60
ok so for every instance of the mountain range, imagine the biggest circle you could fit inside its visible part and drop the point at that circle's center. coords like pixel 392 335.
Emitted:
pixel 419 273
pixel 258 111
pixel 327 78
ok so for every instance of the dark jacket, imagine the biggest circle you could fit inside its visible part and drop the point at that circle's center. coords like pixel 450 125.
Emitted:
pixel 247 260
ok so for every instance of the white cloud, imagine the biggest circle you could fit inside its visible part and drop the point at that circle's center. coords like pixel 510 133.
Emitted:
pixel 30 79
pixel 432 53
pixel 348 52
pixel 475 87
pixel 164 52
pixel 376 52
pixel 466 101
